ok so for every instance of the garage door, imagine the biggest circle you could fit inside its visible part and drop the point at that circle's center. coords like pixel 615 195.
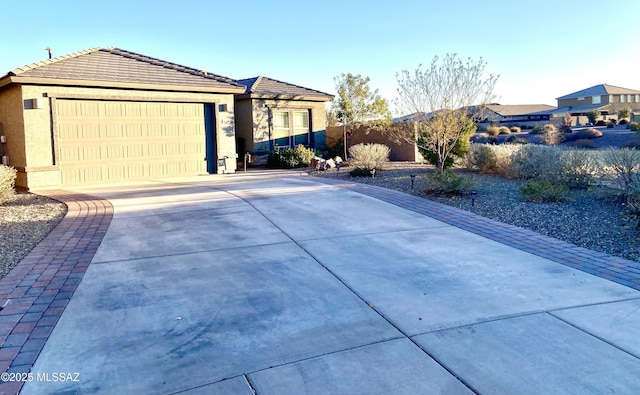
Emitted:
pixel 110 141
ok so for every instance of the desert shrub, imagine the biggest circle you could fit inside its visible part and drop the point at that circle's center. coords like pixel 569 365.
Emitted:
pixel 515 129
pixel 445 182
pixel 360 172
pixel 504 130
pixel 635 126
pixel 551 135
pixel 633 199
pixel 545 191
pixel 634 144
pixel 585 134
pixel 623 122
pixel 537 130
pixel 7 183
pixel 492 159
pixel 536 162
pixel 493 130
pixel 369 156
pixel 584 143
pixel 611 125
pixel 621 164
pixel 288 158
pixel 601 122
pixel 517 140
pixel 578 168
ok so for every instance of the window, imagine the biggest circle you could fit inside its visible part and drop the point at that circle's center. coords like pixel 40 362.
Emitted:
pixel 622 97
pixel 281 120
pixel 610 98
pixel 637 98
pixel 301 120
pixel 580 98
pixel 596 100
pixel 629 98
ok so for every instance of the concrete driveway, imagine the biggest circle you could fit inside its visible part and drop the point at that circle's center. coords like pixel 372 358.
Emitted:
pixel 282 285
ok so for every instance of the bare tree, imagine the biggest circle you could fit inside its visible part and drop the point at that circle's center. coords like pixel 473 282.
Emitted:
pixel 446 99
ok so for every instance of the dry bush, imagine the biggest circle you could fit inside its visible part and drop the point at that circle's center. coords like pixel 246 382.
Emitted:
pixel 515 129
pixel 493 130
pixel 504 130
pixel 492 159
pixel 621 165
pixel 7 183
pixel 369 156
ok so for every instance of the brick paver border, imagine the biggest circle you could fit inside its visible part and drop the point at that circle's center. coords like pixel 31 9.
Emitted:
pixel 620 270
pixel 37 290
pixel 35 293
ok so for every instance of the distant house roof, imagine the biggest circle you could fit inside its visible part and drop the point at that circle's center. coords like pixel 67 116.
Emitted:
pixel 114 67
pixel 580 109
pixel 270 88
pixel 602 89
pixel 510 110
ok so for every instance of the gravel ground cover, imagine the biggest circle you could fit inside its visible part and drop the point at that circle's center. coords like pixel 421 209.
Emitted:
pixel 24 222
pixel 588 220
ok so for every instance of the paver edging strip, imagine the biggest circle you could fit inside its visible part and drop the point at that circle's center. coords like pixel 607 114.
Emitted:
pixel 34 294
pixel 620 270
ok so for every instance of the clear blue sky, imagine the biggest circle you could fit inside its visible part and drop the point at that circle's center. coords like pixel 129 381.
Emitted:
pixel 541 49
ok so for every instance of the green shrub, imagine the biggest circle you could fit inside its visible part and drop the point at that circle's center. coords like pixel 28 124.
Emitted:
pixel 369 156
pixel 7 183
pixel 633 199
pixel 585 134
pixel 537 130
pixel 288 158
pixel 515 129
pixel 621 164
pixel 517 140
pixel 584 143
pixel 359 172
pixel 635 126
pixel 504 130
pixel 445 182
pixel 601 122
pixel 544 191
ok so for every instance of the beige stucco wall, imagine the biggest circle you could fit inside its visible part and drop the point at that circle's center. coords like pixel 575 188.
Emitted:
pixel 260 119
pixel 403 152
pixel 37 159
pixel 13 127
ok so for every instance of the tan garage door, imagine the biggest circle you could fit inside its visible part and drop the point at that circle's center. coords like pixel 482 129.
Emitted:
pixel 110 141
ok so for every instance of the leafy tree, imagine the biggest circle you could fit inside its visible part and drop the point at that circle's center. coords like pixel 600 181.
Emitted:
pixel 451 94
pixel 356 103
pixel 592 115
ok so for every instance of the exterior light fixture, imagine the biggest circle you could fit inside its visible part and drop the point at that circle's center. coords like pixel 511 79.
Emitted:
pixel 473 195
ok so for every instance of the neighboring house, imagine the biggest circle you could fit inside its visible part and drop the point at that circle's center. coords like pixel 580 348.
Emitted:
pixel 110 115
pixel 516 114
pixel 272 113
pixel 607 99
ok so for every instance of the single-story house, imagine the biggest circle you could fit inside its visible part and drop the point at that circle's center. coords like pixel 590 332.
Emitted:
pixel 272 113
pixel 516 113
pixel 606 99
pixel 110 115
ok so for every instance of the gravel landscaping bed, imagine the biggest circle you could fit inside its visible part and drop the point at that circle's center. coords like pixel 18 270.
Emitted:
pixel 588 220
pixel 24 222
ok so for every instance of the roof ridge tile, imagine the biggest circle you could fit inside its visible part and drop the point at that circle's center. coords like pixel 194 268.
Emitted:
pixel 41 63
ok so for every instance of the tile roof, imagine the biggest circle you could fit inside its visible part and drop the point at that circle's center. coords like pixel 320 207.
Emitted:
pixel 602 89
pixel 268 86
pixel 518 109
pixel 114 65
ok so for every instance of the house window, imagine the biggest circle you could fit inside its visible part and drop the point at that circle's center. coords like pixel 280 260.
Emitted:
pixel 629 98
pixel 300 127
pixel 581 98
pixel 637 98
pixel 281 120
pixel 596 100
pixel 301 120
pixel 622 97
pixel 610 98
